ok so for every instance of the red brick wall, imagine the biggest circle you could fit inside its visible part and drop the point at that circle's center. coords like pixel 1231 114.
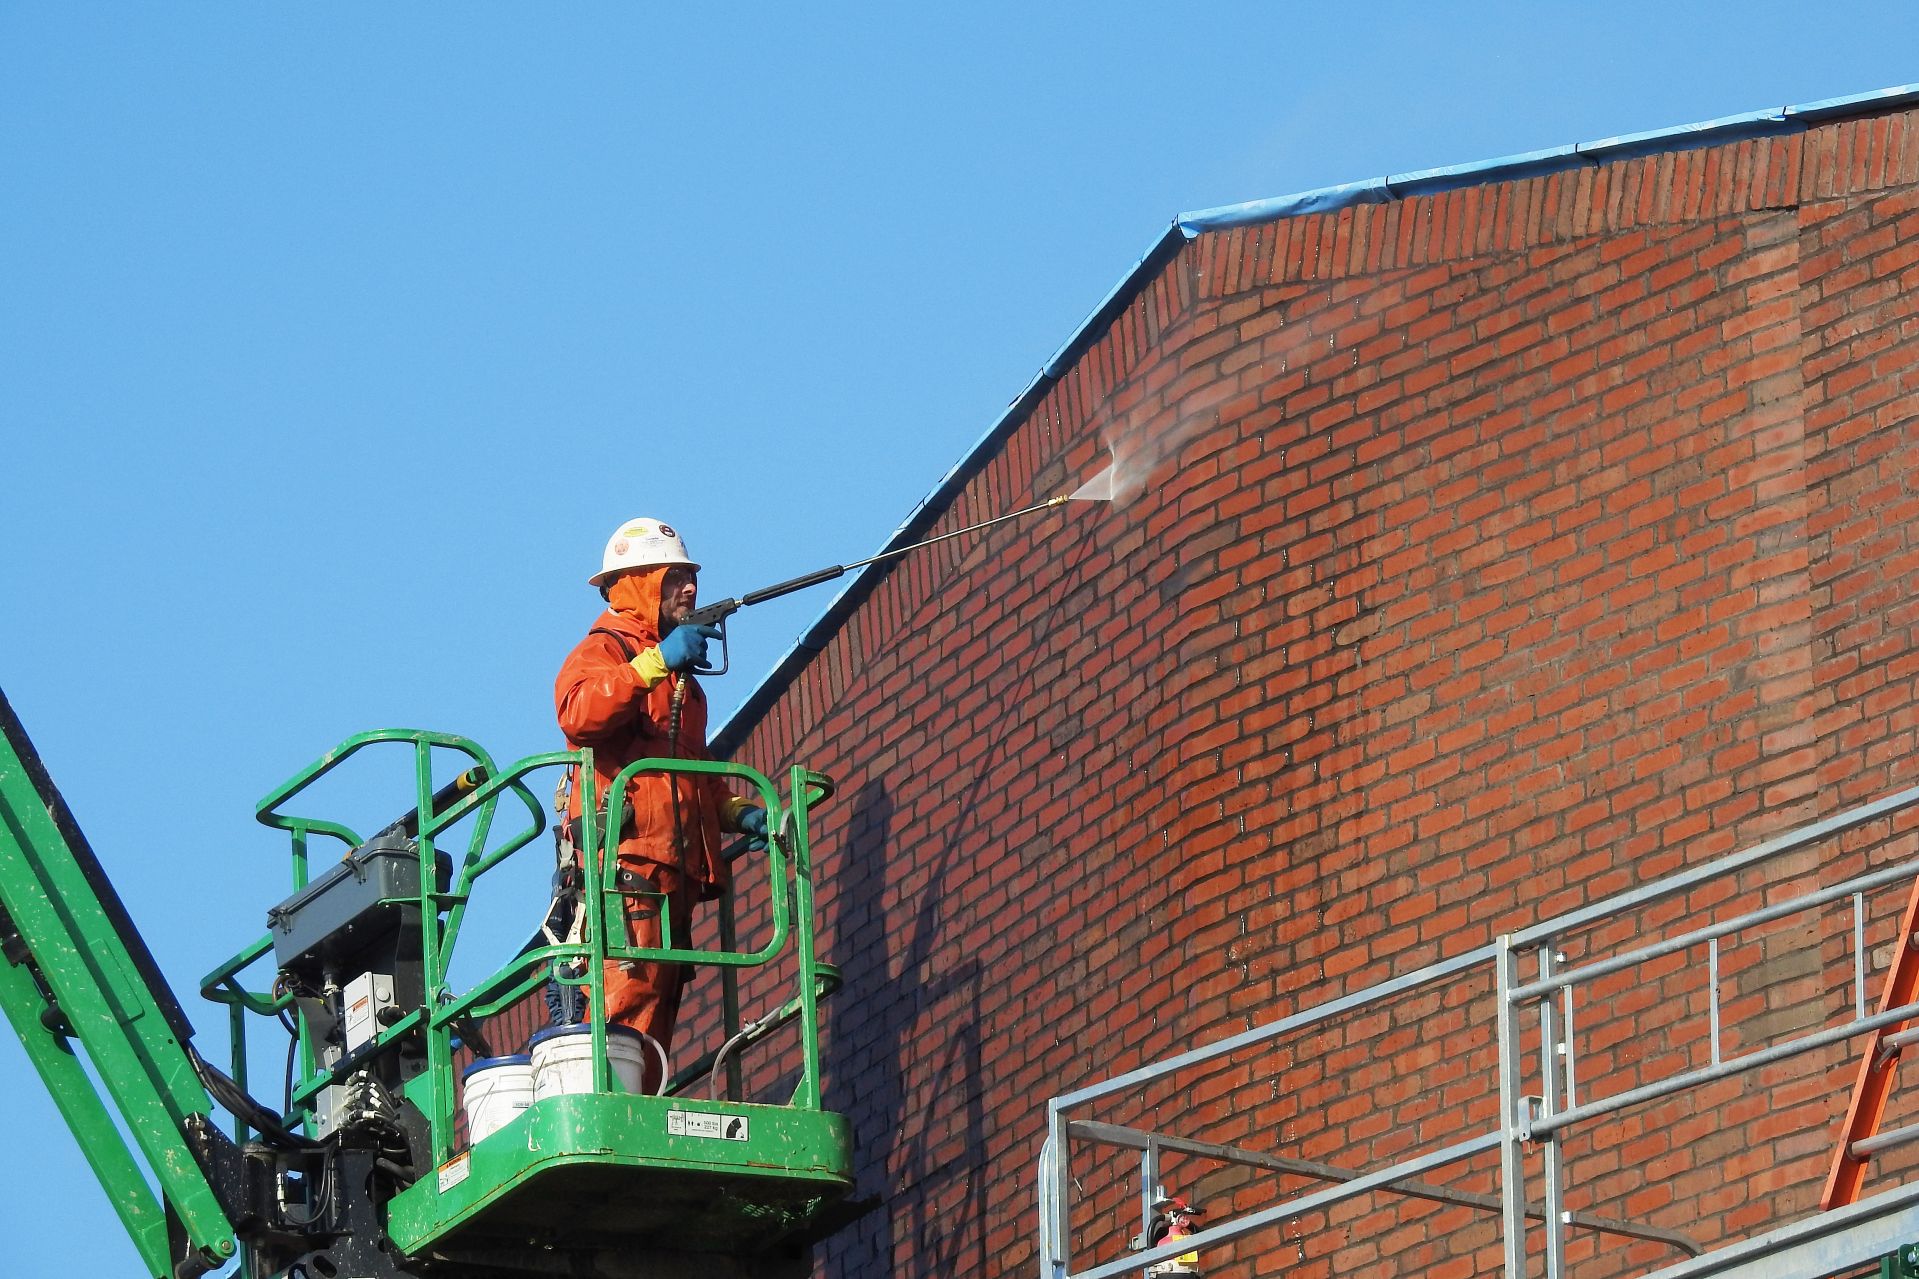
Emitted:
pixel 1530 541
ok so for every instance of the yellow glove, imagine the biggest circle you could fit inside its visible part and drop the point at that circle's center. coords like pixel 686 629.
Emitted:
pixel 650 667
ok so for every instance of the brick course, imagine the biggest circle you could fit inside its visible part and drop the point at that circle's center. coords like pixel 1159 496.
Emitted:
pixel 1528 541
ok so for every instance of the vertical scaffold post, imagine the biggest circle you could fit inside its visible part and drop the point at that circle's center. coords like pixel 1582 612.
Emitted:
pixel 1512 1168
pixel 1148 1185
pixel 1054 1210
pixel 1551 1044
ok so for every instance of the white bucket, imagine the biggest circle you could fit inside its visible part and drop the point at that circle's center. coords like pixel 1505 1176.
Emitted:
pixel 493 1091
pixel 563 1059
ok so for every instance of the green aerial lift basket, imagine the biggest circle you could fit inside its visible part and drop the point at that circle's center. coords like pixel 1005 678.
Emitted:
pixel 606 1181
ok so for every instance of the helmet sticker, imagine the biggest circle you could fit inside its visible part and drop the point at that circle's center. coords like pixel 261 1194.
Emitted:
pixel 667 532
pixel 619 547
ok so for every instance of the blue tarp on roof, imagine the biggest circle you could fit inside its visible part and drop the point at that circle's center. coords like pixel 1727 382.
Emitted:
pixel 1188 226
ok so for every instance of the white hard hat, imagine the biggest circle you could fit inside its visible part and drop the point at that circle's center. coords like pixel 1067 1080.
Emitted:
pixel 641 543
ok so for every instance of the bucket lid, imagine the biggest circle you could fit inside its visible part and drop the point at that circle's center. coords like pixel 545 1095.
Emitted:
pixel 494 1063
pixel 579 1028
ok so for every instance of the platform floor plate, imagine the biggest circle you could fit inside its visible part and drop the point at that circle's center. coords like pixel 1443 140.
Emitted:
pixel 593 1170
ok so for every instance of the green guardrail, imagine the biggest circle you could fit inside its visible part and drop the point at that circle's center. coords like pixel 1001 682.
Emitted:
pixel 788 880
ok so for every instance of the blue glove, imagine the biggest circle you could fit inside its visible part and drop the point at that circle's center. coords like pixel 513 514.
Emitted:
pixel 752 821
pixel 685 646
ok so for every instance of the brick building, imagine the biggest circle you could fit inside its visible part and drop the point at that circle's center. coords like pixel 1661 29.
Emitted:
pixel 1523 532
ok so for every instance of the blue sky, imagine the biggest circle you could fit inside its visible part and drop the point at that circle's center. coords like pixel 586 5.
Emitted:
pixel 336 339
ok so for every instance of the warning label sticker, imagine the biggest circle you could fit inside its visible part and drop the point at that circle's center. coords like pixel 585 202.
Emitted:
pixel 699 1123
pixel 454 1172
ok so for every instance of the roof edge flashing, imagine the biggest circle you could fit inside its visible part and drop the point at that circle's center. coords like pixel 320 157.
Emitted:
pixel 1318 200
pixel 1453 176
pixel 1858 104
pixel 1731 128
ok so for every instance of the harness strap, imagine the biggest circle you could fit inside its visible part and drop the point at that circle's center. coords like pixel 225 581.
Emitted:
pixel 624 641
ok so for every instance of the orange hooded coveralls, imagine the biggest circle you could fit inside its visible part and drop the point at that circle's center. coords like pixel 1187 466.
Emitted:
pixel 604 704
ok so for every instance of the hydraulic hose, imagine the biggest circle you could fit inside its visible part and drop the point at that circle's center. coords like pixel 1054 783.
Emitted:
pixel 243 1107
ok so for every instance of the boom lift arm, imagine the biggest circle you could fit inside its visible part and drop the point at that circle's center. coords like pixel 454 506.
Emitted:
pixel 75 977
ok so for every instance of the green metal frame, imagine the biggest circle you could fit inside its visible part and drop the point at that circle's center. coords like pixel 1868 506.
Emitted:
pixel 114 1014
pixel 795 1142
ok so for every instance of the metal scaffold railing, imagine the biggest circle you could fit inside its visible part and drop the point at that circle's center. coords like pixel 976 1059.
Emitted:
pixel 1536 1025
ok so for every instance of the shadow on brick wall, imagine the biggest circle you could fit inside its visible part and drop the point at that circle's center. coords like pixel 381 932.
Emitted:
pixel 912 1033
pixel 908 1046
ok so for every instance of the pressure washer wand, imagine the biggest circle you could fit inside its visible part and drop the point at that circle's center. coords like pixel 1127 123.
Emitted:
pixel 716 614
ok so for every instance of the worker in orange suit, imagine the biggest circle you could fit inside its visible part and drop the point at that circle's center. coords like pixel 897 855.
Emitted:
pixel 627 691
